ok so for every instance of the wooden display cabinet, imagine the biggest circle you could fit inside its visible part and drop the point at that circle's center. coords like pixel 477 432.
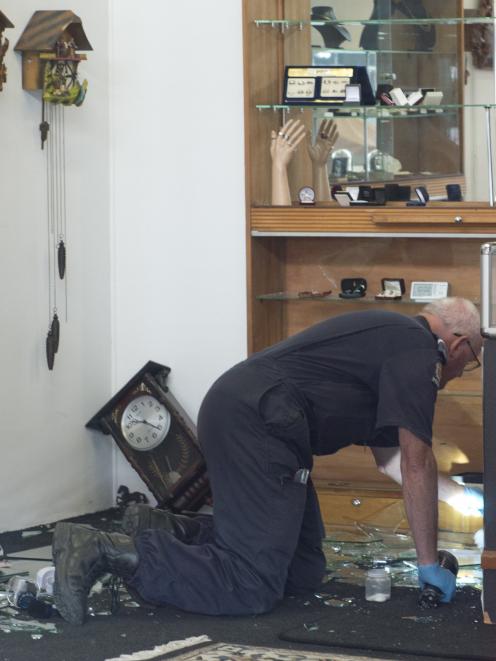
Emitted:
pixel 295 249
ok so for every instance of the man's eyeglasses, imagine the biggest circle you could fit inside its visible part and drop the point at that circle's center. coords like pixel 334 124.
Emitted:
pixel 472 364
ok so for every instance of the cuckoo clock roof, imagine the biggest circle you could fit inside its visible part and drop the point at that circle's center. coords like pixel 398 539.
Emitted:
pixel 4 22
pixel 46 27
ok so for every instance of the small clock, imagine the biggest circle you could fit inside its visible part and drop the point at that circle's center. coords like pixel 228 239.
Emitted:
pixel 306 195
pixel 158 439
pixel 145 422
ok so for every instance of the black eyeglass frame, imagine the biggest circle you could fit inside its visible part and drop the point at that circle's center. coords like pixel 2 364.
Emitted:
pixel 476 363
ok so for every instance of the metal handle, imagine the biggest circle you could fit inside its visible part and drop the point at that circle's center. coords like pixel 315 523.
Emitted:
pixel 459 220
pixel 488 252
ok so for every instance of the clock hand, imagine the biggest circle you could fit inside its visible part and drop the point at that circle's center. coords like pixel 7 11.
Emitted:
pixel 135 421
pixel 149 423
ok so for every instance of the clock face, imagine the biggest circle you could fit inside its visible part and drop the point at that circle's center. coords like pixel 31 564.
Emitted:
pixel 145 422
pixel 306 195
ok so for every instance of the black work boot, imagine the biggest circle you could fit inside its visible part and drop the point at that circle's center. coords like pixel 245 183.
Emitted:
pixel 138 517
pixel 81 555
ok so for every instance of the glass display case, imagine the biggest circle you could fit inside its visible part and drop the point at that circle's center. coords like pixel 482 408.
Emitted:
pixel 430 131
pixel 397 142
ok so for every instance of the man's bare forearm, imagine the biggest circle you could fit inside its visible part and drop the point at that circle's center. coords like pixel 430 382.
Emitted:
pixel 419 477
pixel 389 462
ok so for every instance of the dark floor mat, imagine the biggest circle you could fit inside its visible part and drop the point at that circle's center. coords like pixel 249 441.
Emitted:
pixel 454 631
pixel 134 628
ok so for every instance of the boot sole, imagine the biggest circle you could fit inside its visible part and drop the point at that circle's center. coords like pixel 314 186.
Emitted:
pixel 61 545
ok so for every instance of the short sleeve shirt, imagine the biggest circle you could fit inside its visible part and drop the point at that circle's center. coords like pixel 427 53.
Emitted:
pixel 362 376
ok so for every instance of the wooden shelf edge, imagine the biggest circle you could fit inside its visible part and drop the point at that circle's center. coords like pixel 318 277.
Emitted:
pixel 398 219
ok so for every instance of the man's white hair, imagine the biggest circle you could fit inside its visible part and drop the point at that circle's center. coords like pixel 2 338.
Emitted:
pixel 459 315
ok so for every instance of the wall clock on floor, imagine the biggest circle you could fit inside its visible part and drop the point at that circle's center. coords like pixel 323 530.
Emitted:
pixel 157 438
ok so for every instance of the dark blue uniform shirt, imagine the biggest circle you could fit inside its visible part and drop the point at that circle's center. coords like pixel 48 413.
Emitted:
pixel 361 376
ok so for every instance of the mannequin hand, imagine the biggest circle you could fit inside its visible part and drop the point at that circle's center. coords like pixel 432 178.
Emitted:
pixel 440 578
pixel 474 497
pixel 284 143
pixel 324 142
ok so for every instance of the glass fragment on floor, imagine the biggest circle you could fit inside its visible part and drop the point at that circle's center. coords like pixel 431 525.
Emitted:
pixel 351 551
pixel 16 625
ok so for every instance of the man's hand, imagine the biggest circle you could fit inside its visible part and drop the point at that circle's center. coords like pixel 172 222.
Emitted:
pixel 440 578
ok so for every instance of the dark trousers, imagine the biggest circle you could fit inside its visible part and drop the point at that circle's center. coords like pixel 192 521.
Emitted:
pixel 266 534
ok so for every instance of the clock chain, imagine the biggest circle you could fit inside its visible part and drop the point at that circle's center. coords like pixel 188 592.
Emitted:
pixel 50 343
pixel 62 228
pixel 56 220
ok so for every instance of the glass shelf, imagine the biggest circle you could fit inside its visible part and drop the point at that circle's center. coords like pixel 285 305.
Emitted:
pixel 379 51
pixel 293 296
pixel 470 20
pixel 332 298
pixel 380 112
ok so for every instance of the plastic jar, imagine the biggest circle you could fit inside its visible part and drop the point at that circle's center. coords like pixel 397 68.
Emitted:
pixel 377 585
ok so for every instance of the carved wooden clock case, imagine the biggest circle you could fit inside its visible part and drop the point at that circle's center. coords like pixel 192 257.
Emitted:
pixel 157 438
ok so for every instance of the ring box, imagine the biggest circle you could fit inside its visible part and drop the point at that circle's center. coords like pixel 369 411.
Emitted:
pixel 353 288
pixel 422 195
pixel 397 193
pixel 392 289
pixel 370 196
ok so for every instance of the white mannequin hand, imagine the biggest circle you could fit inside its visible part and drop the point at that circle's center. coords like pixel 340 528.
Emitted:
pixel 283 145
pixel 324 142
pixel 285 142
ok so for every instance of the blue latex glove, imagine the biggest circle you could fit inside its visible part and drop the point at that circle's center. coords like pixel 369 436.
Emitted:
pixel 440 578
pixel 475 498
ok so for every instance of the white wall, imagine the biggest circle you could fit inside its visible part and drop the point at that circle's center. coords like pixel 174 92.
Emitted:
pixel 178 281
pixel 51 466
pixel 156 249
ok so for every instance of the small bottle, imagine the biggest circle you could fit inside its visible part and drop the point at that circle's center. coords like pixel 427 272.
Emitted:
pixel 377 585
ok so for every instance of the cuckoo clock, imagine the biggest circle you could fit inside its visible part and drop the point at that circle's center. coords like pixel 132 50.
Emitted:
pixel 50 46
pixel 4 46
pixel 158 439
pixel 50 42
